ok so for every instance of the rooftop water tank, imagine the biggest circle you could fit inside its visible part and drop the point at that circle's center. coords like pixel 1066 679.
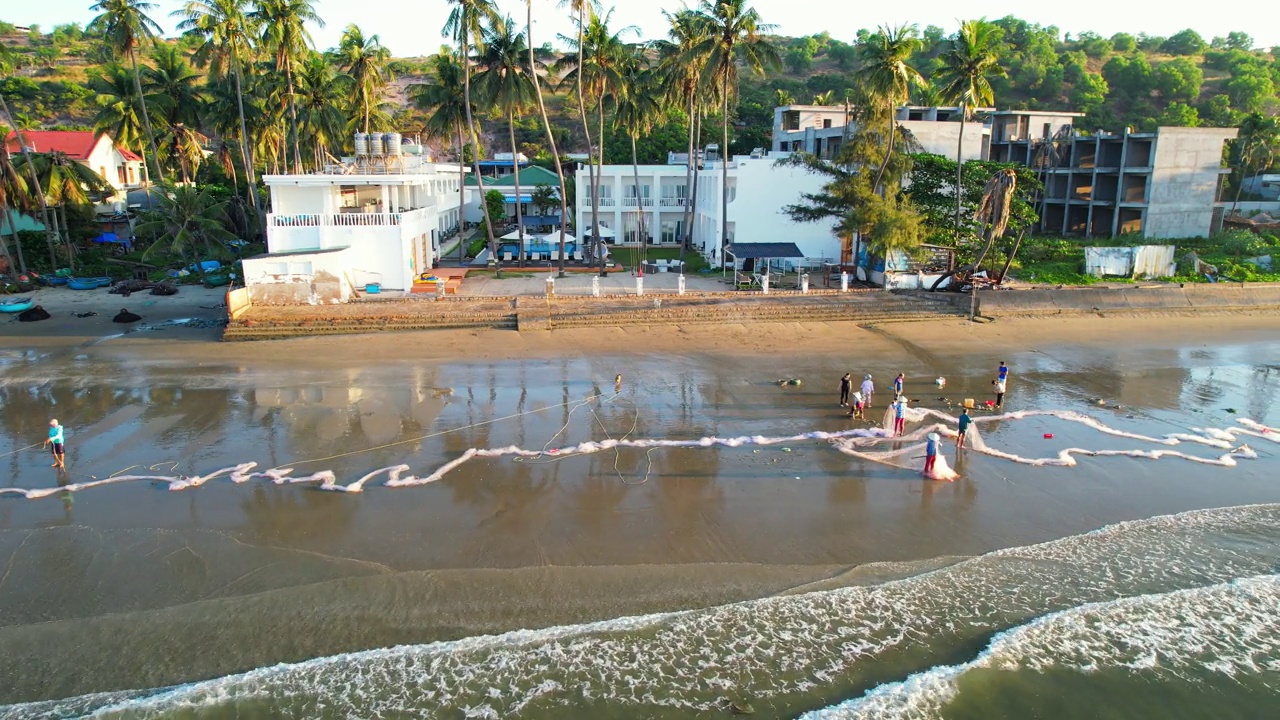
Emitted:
pixel 362 144
pixel 375 143
pixel 391 143
pixel 411 148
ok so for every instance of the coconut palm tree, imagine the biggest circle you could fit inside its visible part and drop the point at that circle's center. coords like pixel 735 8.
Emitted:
pixel 13 196
pixel 445 102
pixel 187 218
pixel 64 182
pixel 551 138
pixel 994 210
pixel 228 34
pixel 507 84
pixel 125 26
pixel 680 67
pixel 968 66
pixel 34 189
pixel 582 9
pixel 596 66
pixel 321 98
pixel 635 112
pixel 735 38
pixel 182 145
pixel 366 61
pixel 825 98
pixel 177 94
pixel 888 77
pixel 284 35
pixel 466 25
pixel 118 107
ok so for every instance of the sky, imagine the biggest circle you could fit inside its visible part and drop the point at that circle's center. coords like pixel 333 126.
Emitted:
pixel 412 27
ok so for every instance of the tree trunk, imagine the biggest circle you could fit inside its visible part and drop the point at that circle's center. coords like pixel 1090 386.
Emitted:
pixel 595 202
pixel 1012 254
pixel 686 239
pixel 551 140
pixel 964 112
pixel 53 236
pixel 462 199
pixel 13 230
pixel 475 148
pixel 724 170
pixel 693 193
pixel 146 119
pixel 35 182
pixel 635 170
pixel 515 166
pixel 66 231
pixel 293 120
pixel 586 130
pixel 250 185
pixel 888 153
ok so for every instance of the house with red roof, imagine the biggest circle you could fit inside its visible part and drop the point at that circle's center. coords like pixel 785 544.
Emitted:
pixel 120 167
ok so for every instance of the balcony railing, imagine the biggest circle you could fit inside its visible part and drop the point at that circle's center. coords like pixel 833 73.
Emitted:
pixel 344 219
pixel 673 202
pixel 604 201
pixel 637 202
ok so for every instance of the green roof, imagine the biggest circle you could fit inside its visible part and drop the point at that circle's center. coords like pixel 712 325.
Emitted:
pixel 532 175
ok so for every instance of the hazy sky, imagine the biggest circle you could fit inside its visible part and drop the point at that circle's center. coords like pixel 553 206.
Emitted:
pixel 412 27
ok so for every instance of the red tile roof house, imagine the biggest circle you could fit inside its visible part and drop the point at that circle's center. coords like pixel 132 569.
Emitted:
pixel 118 166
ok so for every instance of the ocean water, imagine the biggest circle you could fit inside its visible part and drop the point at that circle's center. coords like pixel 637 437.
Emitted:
pixel 526 540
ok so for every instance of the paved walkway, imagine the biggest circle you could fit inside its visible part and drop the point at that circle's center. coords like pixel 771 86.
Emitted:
pixel 579 283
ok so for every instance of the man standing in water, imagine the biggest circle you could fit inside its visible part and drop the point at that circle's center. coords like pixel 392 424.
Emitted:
pixel 56 439
pixel 999 390
pixel 868 388
pixel 846 384
pixel 963 426
pixel 1003 372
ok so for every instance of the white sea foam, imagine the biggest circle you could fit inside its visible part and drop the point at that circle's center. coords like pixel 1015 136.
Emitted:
pixel 783 649
pixel 1226 629
pixel 860 443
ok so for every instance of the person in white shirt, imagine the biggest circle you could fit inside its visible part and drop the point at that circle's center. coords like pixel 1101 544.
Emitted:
pixel 868 388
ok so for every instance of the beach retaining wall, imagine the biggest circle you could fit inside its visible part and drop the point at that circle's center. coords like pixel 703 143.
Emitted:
pixel 1191 299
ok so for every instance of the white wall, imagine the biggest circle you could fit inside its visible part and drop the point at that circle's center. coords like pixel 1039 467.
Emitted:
pixel 1184 181
pixel 303 278
pixel 940 138
pixel 299 199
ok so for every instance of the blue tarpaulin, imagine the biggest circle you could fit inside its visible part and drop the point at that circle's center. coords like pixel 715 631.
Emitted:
pixel 109 237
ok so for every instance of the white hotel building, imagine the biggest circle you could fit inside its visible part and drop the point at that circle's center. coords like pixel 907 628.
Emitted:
pixel 758 190
pixel 350 225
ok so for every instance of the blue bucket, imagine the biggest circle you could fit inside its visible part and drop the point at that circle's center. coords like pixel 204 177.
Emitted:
pixel 373 288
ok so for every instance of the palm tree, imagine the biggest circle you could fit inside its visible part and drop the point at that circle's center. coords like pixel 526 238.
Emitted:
pixel 187 218
pixel 13 195
pixel 888 77
pixel 466 25
pixel 583 8
pixel 322 92
pixel 596 67
pixel 507 84
pixel 64 182
pixel 181 144
pixel 228 33
pixel 125 25
pixel 635 112
pixel 445 101
pixel 176 91
pixel 993 212
pixel 34 189
pixel 117 101
pixel 680 67
pixel 965 78
pixel 782 98
pixel 825 98
pixel 551 138
pixel 366 61
pixel 735 37
pixel 285 36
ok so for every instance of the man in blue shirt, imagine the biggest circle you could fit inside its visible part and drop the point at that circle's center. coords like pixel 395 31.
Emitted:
pixel 963 426
pixel 56 439
pixel 897 385
pixel 1004 372
pixel 899 415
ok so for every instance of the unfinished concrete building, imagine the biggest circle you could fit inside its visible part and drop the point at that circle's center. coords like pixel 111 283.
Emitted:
pixel 1161 184
pixel 821 129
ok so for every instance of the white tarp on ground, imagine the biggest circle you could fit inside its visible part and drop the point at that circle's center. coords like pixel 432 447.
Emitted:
pixel 1148 261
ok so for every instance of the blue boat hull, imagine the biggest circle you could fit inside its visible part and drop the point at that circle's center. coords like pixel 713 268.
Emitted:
pixel 17 306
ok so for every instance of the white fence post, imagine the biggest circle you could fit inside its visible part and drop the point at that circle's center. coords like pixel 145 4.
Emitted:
pixel 764 283
pixel 844 282
pixel 551 286
pixel 804 283
pixel 639 285
pixel 680 285
pixel 595 286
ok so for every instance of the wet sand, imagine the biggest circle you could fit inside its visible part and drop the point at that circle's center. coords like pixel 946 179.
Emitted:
pixel 224 578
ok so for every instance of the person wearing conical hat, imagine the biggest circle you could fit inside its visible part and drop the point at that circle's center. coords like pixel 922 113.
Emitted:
pixel 931 453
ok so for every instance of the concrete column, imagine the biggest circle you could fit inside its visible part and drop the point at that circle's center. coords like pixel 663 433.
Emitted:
pixel 639 285
pixel 680 285
pixel 595 286
pixel 804 283
pixel 764 283
pixel 385 197
pixel 844 282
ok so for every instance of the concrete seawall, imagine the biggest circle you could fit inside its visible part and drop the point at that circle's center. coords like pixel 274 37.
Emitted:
pixel 1192 299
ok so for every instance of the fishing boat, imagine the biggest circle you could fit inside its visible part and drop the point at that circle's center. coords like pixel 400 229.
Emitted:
pixel 83 283
pixel 16 305
pixel 57 281
pixel 103 281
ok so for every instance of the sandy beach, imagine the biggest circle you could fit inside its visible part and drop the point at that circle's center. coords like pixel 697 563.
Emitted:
pixel 149 588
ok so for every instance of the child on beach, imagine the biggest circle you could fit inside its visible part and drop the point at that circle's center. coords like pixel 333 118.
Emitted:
pixel 962 426
pixel 858 407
